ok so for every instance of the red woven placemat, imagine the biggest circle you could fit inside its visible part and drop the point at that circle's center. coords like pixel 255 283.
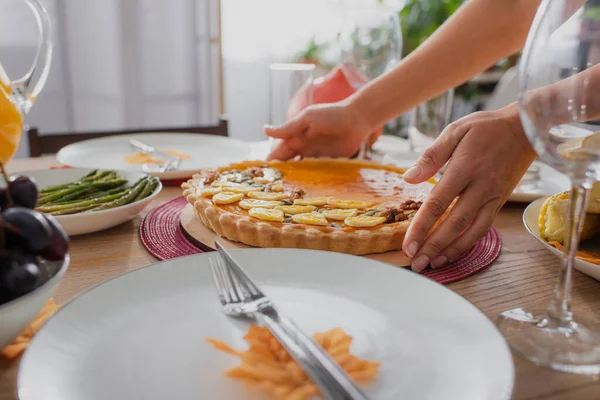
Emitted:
pixel 163 237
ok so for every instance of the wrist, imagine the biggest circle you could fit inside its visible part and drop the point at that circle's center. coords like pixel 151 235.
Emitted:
pixel 512 117
pixel 357 107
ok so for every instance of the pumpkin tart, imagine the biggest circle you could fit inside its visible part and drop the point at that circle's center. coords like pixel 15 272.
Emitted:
pixel 348 206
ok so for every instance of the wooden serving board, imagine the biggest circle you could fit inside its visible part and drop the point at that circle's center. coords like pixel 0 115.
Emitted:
pixel 205 238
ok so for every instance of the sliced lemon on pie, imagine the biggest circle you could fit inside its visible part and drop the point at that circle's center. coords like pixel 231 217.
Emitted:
pixel 276 187
pixel 296 209
pixel 209 191
pixel 262 179
pixel 364 221
pixel 247 204
pixel 312 218
pixel 339 214
pixel 268 195
pixel 227 197
pixel 237 187
pixel 348 203
pixel 311 201
pixel 267 214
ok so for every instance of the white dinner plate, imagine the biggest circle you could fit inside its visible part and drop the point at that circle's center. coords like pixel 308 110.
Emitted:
pixel 141 335
pixel 530 219
pixel 88 222
pixel 110 152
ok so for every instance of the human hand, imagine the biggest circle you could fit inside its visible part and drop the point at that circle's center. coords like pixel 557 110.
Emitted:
pixel 487 154
pixel 331 130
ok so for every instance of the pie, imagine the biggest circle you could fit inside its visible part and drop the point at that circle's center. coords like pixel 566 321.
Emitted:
pixel 348 206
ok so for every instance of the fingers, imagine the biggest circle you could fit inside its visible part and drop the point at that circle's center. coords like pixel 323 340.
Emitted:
pixel 436 155
pixel 293 127
pixel 433 208
pixel 456 223
pixel 478 229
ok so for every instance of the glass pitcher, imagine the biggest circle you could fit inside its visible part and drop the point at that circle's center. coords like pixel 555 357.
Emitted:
pixel 17 96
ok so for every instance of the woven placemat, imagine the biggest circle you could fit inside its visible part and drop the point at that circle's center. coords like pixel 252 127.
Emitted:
pixel 163 237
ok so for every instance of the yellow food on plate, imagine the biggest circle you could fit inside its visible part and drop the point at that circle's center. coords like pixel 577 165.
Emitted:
pixel 176 153
pixel 267 214
pixel 266 364
pixel 209 191
pixel 247 204
pixel 348 203
pixel 583 255
pixel 227 197
pixel 22 341
pixel 296 209
pixel 268 195
pixel 146 158
pixel 312 218
pixel 364 221
pixel 552 221
pixel 311 201
pixel 339 214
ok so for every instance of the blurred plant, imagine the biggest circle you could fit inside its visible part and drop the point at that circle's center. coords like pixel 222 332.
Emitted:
pixel 420 18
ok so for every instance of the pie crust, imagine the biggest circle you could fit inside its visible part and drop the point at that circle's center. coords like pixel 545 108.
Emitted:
pixel 241 227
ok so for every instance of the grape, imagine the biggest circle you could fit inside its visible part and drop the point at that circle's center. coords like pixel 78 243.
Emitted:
pixel 3 199
pixel 59 241
pixel 26 229
pixel 18 275
pixel 24 191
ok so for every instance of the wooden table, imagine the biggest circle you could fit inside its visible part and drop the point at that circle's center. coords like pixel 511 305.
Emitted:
pixel 523 275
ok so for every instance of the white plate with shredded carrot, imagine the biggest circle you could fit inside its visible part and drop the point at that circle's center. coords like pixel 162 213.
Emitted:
pixel 195 151
pixel 158 333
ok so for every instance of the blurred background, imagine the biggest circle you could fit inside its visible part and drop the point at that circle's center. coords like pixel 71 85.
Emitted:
pixel 129 64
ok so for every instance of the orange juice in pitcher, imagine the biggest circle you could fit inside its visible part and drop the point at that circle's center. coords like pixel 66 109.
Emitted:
pixel 17 97
pixel 11 121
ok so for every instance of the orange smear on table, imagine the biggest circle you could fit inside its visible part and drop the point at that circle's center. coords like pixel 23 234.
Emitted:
pixel 22 341
pixel 268 366
pixel 582 255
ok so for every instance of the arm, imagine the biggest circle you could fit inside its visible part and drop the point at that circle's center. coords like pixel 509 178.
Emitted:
pixel 474 38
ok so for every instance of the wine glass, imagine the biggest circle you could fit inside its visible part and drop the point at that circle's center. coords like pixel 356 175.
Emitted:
pixel 370 44
pixel 290 91
pixel 560 97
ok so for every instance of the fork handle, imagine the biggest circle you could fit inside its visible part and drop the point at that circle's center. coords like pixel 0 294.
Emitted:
pixel 342 381
pixel 334 383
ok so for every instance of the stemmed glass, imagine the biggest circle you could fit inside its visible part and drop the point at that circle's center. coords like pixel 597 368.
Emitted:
pixel 370 44
pixel 290 89
pixel 560 93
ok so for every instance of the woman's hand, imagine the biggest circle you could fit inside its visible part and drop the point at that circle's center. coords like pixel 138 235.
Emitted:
pixel 331 130
pixel 487 154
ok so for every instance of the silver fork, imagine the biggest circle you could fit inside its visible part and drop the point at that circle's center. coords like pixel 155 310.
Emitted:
pixel 241 297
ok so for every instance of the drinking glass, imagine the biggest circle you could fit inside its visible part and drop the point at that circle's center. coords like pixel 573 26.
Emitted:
pixel 371 44
pixel 17 96
pixel 428 120
pixel 560 88
pixel 290 90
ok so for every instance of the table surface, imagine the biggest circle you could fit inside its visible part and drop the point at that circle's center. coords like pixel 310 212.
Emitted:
pixel 523 276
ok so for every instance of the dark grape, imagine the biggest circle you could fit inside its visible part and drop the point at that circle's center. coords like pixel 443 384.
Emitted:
pixel 59 241
pixel 24 191
pixel 3 199
pixel 26 229
pixel 18 275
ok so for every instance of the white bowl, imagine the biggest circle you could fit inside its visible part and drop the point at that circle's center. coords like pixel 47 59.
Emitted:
pixel 17 313
pixel 78 224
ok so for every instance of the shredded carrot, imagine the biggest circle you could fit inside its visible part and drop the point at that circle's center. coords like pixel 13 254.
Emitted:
pixel 583 255
pixel 268 366
pixel 22 341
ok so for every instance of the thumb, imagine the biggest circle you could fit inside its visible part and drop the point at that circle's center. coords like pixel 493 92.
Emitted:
pixel 290 129
pixel 432 159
